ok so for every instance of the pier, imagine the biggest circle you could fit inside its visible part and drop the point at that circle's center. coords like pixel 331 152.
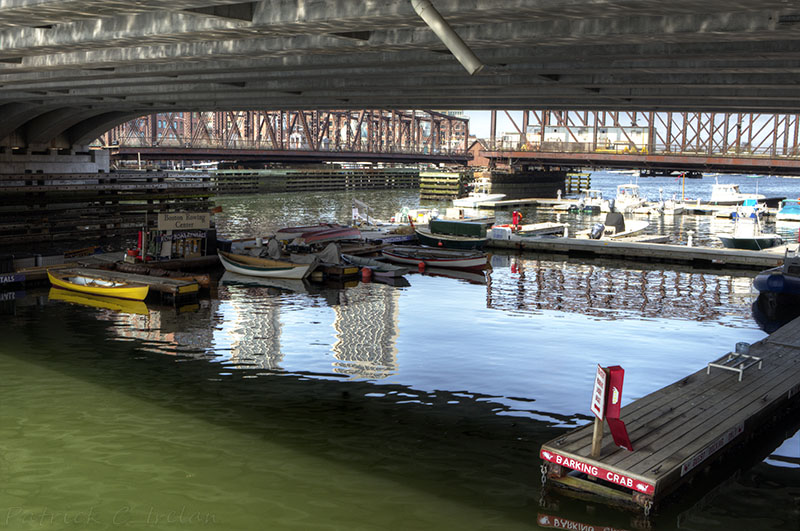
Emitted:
pixel 630 249
pixel 678 431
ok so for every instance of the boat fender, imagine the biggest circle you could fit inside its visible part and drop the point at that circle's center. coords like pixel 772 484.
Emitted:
pixel 366 274
pixel 597 231
pixel 421 266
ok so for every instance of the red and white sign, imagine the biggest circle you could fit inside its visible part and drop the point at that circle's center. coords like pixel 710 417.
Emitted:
pixel 616 377
pixel 598 472
pixel 599 394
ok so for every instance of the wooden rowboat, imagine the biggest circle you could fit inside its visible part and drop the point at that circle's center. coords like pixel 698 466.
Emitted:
pixel 379 269
pixel 436 257
pixel 86 283
pixel 264 267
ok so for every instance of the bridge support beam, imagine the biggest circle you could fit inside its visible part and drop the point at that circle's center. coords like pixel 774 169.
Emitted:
pixel 77 159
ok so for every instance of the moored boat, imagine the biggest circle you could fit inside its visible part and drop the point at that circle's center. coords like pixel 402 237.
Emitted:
pixel 747 233
pixel 782 279
pixel 308 231
pixel 264 267
pixel 453 234
pixel 378 268
pixel 480 194
pixel 85 282
pixel 789 210
pixel 436 257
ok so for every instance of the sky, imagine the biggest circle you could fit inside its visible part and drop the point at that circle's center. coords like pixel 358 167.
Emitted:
pixel 480 122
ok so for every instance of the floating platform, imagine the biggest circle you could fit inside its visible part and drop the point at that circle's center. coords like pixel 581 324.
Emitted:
pixel 631 249
pixel 679 430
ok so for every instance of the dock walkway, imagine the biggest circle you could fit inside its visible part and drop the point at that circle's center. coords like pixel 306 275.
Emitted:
pixel 630 249
pixel 679 430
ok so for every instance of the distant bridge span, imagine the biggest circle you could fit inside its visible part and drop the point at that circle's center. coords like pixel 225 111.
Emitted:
pixel 71 70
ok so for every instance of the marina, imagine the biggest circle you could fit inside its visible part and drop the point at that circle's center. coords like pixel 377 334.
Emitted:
pixel 400 353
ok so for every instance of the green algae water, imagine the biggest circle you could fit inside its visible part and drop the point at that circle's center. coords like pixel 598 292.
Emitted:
pixel 359 406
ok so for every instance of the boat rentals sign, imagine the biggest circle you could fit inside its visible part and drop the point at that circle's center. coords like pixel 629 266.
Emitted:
pixel 599 394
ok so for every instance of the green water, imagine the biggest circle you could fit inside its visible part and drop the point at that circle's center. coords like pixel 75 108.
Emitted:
pixel 359 406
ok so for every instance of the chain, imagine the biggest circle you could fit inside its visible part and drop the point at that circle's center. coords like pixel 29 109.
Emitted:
pixel 543 468
pixel 647 506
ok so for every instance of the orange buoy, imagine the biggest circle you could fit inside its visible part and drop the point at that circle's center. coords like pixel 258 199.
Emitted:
pixel 421 267
pixel 366 274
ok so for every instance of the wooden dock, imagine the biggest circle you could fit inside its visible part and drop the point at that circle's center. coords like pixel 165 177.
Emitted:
pixel 679 430
pixel 649 252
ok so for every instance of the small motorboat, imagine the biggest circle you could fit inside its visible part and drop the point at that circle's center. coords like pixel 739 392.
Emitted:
pixel 615 227
pixel 747 232
pixel 626 201
pixel 479 195
pixel 789 210
pixel 264 267
pixel 84 282
pixel 378 268
pixel 436 257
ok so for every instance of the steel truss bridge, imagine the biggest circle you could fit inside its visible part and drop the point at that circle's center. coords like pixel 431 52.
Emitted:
pixel 294 136
pixel 655 141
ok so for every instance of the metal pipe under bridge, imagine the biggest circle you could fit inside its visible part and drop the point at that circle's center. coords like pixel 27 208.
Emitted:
pixel 657 142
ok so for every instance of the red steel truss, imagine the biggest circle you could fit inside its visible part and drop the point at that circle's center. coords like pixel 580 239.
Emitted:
pixel 367 131
pixel 700 133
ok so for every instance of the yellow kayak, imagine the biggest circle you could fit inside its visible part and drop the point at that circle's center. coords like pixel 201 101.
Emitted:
pixel 85 283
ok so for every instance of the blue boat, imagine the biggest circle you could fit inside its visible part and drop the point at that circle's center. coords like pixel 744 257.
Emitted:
pixel 781 279
pixel 789 210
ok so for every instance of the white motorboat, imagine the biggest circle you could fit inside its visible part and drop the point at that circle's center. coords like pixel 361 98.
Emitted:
pixel 729 194
pixel 626 201
pixel 479 195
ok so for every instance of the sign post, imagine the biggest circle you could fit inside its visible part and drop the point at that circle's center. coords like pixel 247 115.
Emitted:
pixel 599 409
pixel 606 407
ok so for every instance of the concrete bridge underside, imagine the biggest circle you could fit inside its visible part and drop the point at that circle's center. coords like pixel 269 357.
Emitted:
pixel 70 70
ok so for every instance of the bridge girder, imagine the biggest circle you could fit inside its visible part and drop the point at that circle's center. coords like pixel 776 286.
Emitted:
pixel 106 60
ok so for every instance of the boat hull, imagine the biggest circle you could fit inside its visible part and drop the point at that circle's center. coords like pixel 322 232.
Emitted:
pixel 436 257
pixel 261 267
pixel 449 242
pixel 378 268
pixel 752 244
pixel 135 292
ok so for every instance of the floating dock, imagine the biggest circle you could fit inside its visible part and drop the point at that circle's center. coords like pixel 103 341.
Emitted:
pixel 631 249
pixel 679 430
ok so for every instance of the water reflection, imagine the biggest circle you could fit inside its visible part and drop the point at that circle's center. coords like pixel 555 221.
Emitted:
pixel 521 283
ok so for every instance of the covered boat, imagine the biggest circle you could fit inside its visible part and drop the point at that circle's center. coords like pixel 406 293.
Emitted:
pixel 781 279
pixel 453 234
pixel 264 267
pixel 85 282
pixel 436 257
